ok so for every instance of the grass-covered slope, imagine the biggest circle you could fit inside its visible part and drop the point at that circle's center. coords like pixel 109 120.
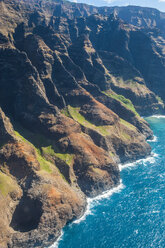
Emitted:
pixel 73 88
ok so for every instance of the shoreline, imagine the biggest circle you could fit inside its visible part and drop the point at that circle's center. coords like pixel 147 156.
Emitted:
pixel 88 211
pixel 117 189
pixel 106 194
pixel 157 116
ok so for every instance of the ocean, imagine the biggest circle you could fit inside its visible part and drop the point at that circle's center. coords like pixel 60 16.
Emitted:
pixel 131 215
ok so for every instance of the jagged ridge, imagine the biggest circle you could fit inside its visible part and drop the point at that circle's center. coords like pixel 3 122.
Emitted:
pixel 68 74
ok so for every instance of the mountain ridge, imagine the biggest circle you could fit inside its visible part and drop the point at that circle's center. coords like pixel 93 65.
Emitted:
pixel 156 4
pixel 72 92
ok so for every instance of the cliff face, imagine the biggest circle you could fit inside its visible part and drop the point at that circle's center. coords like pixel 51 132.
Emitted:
pixel 73 81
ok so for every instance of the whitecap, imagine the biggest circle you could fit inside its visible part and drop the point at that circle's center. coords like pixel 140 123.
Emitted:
pixel 155 155
pixel 158 116
pixel 91 202
pixel 155 139
pixel 162 175
pixel 150 159
pixel 56 244
pixel 108 193
pixel 155 211
pixel 86 213
pixel 125 166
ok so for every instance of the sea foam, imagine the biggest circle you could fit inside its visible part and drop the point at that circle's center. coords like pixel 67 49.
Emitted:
pixel 91 202
pixel 155 139
pixel 150 159
pixel 158 116
pixel 55 245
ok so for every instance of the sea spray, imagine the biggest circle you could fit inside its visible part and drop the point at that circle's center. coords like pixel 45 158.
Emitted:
pixel 55 245
pixel 150 159
pixel 157 116
pixel 91 202
pixel 135 216
pixel 155 139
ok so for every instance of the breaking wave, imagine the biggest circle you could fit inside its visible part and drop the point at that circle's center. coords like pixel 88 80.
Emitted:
pixel 150 159
pixel 155 139
pixel 158 116
pixel 91 202
pixel 55 245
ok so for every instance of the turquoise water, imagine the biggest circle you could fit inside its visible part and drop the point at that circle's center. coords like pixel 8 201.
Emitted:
pixel 131 216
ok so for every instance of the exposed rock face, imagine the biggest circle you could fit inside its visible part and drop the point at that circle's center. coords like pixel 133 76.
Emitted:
pixel 37 200
pixel 6 129
pixel 73 81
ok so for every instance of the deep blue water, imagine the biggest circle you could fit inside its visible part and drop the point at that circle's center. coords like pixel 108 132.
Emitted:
pixel 134 215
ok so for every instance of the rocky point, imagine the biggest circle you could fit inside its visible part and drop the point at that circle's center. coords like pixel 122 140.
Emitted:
pixel 74 81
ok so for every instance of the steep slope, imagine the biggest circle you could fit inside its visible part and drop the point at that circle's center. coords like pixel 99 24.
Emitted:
pixel 36 199
pixel 72 86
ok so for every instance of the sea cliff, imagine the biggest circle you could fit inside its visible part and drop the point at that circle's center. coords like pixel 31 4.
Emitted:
pixel 74 80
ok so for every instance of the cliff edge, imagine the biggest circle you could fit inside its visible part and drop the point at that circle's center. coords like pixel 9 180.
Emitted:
pixel 74 81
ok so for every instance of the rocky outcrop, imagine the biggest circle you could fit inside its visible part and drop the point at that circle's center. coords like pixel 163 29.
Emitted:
pixel 6 129
pixel 36 197
pixel 73 81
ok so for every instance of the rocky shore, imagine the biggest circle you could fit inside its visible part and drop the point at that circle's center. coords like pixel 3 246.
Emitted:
pixel 72 90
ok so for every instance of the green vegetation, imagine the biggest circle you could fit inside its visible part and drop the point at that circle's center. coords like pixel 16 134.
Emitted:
pixel 67 157
pixel 48 150
pixel 65 112
pixel 21 137
pixel 44 164
pixel 127 102
pixel 127 124
pixel 7 184
pixel 159 99
pixel 74 112
pixel 111 154
pixel 126 136
pixel 43 146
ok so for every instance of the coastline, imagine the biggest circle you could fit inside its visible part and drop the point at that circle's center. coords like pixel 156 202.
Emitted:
pixel 157 116
pixel 92 201
pixel 145 185
pixel 75 152
pixel 117 189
